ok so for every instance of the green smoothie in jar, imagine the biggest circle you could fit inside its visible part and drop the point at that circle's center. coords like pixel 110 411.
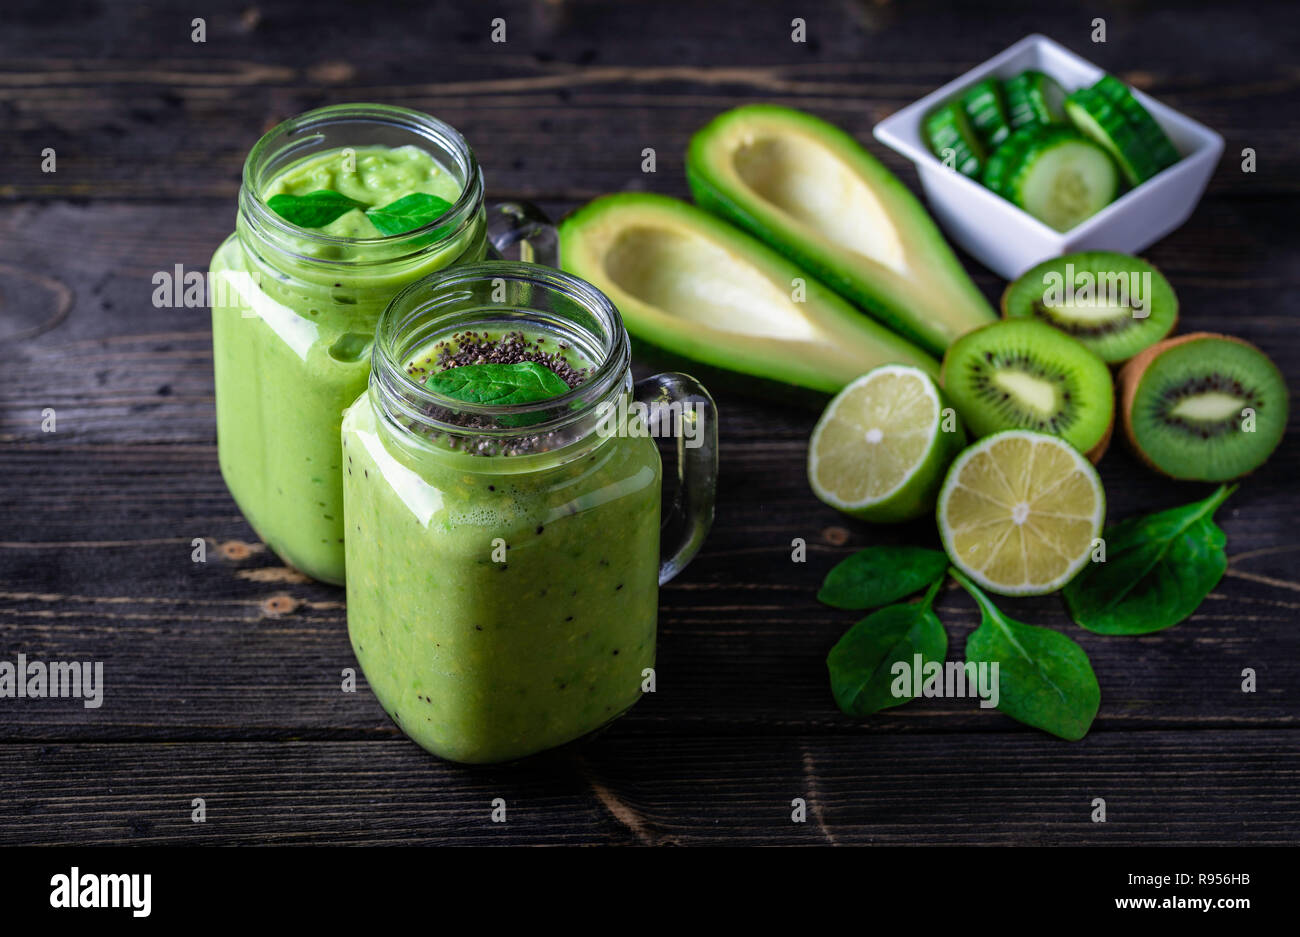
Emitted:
pixel 294 308
pixel 503 562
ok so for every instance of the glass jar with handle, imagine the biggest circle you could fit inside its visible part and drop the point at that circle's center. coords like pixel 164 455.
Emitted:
pixel 503 561
pixel 294 309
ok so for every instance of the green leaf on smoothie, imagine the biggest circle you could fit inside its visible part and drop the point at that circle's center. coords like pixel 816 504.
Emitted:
pixel 313 210
pixel 498 384
pixel 408 213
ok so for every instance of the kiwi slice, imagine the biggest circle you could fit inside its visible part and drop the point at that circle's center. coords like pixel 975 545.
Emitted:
pixel 1203 407
pixel 1115 304
pixel 1024 374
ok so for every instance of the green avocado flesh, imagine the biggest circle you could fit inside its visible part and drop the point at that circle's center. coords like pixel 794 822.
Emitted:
pixel 812 192
pixel 697 288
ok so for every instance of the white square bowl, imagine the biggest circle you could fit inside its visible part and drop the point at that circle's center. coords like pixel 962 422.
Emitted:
pixel 1006 238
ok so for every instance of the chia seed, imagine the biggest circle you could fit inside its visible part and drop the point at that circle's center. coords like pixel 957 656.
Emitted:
pixel 513 347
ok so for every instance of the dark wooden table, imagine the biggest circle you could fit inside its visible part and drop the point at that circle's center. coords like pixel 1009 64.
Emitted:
pixel 223 679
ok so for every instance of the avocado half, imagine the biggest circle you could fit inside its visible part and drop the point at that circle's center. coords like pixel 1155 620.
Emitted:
pixel 694 287
pixel 813 193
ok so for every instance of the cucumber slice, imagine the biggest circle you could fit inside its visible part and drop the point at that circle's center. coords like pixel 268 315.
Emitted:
pixel 1033 98
pixel 1157 142
pixel 1009 156
pixel 1054 173
pixel 1099 118
pixel 949 133
pixel 987 112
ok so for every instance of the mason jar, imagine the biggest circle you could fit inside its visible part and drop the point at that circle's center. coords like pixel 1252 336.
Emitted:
pixel 294 313
pixel 503 562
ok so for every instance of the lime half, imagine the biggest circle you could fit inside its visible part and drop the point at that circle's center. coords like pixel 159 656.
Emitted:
pixel 880 449
pixel 1020 512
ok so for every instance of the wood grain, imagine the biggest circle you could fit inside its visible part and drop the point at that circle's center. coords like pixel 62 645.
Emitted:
pixel 1211 788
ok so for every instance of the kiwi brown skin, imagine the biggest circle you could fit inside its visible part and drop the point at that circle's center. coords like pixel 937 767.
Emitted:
pixel 1094 454
pixel 1130 376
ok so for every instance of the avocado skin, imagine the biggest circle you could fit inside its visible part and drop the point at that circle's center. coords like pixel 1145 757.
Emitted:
pixel 805 388
pixel 852 282
pixel 714 378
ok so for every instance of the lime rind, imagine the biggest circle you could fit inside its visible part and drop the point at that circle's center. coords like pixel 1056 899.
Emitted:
pixel 915 492
pixel 1094 518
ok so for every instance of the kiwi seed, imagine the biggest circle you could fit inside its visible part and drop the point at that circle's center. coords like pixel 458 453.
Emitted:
pixel 1203 406
pixel 1105 324
pixel 1023 374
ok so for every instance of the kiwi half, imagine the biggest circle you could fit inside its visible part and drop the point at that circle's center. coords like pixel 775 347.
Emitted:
pixel 1203 407
pixel 1115 304
pixel 1023 374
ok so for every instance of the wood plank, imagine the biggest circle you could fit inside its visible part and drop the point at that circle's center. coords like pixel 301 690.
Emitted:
pixel 564 107
pixel 1203 788
pixel 95 564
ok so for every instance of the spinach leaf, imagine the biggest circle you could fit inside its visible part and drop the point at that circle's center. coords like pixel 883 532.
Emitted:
pixel 1044 678
pixel 1158 569
pixel 499 384
pixel 319 208
pixel 313 210
pixel 861 663
pixel 880 575
pixel 408 213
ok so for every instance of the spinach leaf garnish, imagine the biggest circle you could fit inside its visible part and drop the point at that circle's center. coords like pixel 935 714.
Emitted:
pixel 499 384
pixel 319 208
pixel 313 210
pixel 408 213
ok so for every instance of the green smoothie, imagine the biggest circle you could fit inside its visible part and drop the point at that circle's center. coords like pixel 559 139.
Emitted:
pixel 293 317
pixel 499 605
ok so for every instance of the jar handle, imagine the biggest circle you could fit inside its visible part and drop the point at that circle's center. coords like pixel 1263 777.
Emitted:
pixel 523 223
pixel 678 405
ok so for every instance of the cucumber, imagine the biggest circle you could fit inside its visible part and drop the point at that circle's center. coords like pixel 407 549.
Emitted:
pixel 1033 98
pixel 987 112
pixel 1099 118
pixel 1008 157
pixel 1054 173
pixel 1157 142
pixel 947 129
